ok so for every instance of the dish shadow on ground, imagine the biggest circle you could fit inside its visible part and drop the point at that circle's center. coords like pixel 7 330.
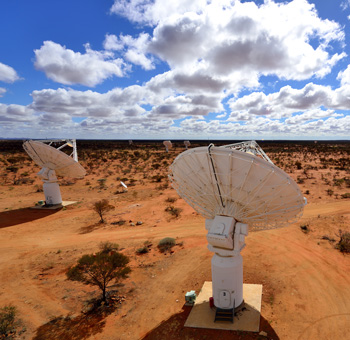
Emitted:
pixel 173 329
pixel 24 215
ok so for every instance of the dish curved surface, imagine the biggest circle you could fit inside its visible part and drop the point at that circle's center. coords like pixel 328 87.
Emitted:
pixel 48 157
pixel 222 181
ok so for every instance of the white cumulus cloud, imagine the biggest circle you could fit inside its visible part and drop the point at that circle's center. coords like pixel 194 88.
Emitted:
pixel 67 67
pixel 8 74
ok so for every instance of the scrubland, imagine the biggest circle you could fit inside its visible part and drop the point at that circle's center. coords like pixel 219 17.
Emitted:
pixel 304 274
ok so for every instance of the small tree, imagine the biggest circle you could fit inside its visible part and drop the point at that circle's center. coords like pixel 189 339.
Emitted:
pixel 101 207
pixel 100 269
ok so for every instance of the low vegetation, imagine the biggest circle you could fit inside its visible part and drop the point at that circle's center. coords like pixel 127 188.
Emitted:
pixel 173 211
pixel 166 244
pixel 8 322
pixel 102 207
pixel 344 243
pixel 100 269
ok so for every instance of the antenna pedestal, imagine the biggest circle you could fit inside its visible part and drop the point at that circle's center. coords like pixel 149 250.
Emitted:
pixel 227 278
pixel 52 193
pixel 226 239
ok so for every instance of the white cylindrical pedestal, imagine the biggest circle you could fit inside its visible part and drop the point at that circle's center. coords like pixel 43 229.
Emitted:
pixel 52 193
pixel 227 278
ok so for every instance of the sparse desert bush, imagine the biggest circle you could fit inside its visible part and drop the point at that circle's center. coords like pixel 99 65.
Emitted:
pixel 305 228
pixel 102 182
pixel 142 250
pixel 298 164
pixel 166 244
pixel 344 243
pixel 173 211
pixel 171 199
pixel 102 207
pixel 100 269
pixel 330 192
pixel 7 322
pixel 107 247
pixel 346 195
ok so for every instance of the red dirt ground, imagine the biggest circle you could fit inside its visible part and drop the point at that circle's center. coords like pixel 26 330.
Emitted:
pixel 306 281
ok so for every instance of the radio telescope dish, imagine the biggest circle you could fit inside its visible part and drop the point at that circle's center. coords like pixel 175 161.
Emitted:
pixel 232 187
pixel 53 161
pixel 167 145
pixel 187 144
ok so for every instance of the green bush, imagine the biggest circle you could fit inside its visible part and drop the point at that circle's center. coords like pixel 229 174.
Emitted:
pixel 143 250
pixel 346 195
pixel 166 244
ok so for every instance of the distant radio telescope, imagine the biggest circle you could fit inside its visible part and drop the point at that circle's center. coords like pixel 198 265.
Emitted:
pixel 54 162
pixel 167 145
pixel 187 144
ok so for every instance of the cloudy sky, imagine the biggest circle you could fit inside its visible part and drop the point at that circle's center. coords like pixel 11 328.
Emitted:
pixel 175 69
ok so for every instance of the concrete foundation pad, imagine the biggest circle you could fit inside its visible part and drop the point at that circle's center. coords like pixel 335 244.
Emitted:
pixel 54 207
pixel 246 319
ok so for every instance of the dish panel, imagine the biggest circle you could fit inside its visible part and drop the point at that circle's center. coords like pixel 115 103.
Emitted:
pixel 48 157
pixel 238 184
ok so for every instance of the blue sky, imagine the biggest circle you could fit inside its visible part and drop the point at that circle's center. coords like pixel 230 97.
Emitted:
pixel 180 69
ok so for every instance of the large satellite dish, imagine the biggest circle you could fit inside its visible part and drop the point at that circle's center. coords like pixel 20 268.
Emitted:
pixel 232 187
pixel 53 161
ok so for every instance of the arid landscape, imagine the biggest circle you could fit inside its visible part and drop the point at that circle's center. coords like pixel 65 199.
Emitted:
pixel 305 278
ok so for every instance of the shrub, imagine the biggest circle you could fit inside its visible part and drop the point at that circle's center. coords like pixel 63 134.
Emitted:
pixel 143 250
pixel 346 195
pixel 173 211
pixel 166 244
pixel 7 322
pixel 344 243
pixel 330 192
pixel 305 228
pixel 101 207
pixel 100 269
pixel 107 247
pixel 171 199
pixel 298 164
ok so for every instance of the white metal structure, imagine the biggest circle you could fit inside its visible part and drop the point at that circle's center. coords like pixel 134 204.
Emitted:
pixel 233 189
pixel 54 162
pixel 187 144
pixel 250 147
pixel 167 145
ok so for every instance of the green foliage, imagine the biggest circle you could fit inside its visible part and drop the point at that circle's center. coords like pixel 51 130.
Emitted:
pixel 166 244
pixel 100 269
pixel 101 207
pixel 7 322
pixel 143 250
pixel 346 195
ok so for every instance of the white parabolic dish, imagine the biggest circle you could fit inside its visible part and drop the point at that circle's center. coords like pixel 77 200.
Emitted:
pixel 48 157
pixel 241 185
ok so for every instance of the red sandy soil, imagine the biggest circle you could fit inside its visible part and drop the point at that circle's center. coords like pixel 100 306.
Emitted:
pixel 306 281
